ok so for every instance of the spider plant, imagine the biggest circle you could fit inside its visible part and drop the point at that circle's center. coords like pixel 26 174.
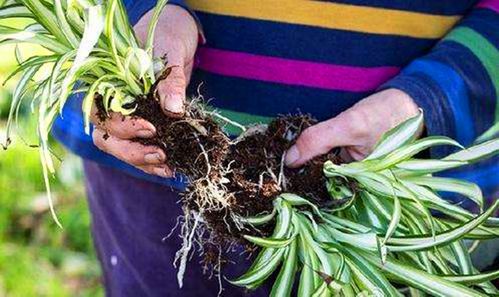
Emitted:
pixel 385 231
pixel 92 45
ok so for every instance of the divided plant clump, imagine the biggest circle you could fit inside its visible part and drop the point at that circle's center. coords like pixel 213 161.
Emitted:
pixel 366 228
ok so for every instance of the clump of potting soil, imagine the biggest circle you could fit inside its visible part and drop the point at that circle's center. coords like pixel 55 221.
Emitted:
pixel 228 179
pixel 257 175
pixel 231 179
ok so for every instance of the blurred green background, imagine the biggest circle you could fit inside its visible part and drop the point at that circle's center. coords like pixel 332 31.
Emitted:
pixel 36 257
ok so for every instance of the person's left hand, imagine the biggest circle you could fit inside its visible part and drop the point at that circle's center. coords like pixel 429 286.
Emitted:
pixel 357 129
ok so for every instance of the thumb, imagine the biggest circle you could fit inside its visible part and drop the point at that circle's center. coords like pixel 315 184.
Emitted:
pixel 315 141
pixel 171 91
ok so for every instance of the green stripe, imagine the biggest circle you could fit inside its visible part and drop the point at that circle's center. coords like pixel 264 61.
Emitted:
pixel 242 118
pixel 485 51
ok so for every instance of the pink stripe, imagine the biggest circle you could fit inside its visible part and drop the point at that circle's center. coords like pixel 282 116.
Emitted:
pixel 292 72
pixel 490 4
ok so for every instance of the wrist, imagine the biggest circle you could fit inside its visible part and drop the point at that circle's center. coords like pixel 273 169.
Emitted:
pixel 406 108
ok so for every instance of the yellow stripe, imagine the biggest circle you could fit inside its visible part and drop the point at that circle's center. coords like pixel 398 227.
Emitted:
pixel 333 16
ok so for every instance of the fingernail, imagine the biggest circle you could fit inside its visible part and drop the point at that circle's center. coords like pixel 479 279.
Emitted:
pixel 174 103
pixel 163 172
pixel 292 155
pixel 154 158
pixel 145 133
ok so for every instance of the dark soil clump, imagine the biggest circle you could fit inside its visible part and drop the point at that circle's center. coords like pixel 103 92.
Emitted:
pixel 249 171
pixel 188 140
pixel 256 177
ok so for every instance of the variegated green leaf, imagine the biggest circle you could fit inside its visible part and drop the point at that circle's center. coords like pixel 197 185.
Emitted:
pixel 269 242
pixel 422 280
pixel 415 243
pixel 260 219
pixel 46 18
pixel 424 167
pixel 263 272
pixel 17 97
pixel 477 152
pixel 410 150
pixel 14 11
pixel 401 135
pixel 491 133
pixel 31 62
pixel 285 279
pixel 93 29
pixel 69 34
pixel 467 189
pixel 160 5
pixel 473 279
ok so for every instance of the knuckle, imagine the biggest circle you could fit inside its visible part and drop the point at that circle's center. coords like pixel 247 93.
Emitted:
pixel 120 127
pixel 308 138
pixel 98 139
pixel 356 123
pixel 128 128
pixel 176 75
pixel 130 156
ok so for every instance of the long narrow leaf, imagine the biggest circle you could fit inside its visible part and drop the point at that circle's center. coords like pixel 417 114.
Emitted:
pixel 410 150
pixel 467 189
pixel 17 97
pixel 93 29
pixel 474 279
pixel 422 280
pixel 284 282
pixel 160 5
pixel 14 11
pixel 477 152
pixel 64 25
pixel 46 18
pixel 424 242
pixel 397 137
pixel 424 167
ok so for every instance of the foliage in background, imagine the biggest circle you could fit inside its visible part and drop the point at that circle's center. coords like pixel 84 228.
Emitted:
pixel 36 257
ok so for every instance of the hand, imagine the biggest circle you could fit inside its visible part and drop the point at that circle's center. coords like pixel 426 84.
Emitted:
pixel 177 37
pixel 356 130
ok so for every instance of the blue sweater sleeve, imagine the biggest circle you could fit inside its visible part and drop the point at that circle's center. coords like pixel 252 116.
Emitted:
pixel 137 8
pixel 457 82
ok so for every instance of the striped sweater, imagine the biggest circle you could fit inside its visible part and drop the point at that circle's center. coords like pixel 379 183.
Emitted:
pixel 263 58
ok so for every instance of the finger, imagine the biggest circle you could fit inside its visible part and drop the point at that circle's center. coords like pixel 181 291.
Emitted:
pixel 161 171
pixel 322 138
pixel 171 91
pixel 124 127
pixel 128 151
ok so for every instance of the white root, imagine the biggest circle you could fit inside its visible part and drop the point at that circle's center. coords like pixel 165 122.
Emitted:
pixel 218 269
pixel 183 253
pixel 282 178
pixel 177 223
pixel 227 120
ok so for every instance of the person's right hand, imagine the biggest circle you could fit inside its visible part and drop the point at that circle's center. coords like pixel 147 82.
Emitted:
pixel 177 37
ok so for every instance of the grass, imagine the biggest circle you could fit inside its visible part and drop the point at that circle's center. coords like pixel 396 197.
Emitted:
pixel 32 247
pixel 36 257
